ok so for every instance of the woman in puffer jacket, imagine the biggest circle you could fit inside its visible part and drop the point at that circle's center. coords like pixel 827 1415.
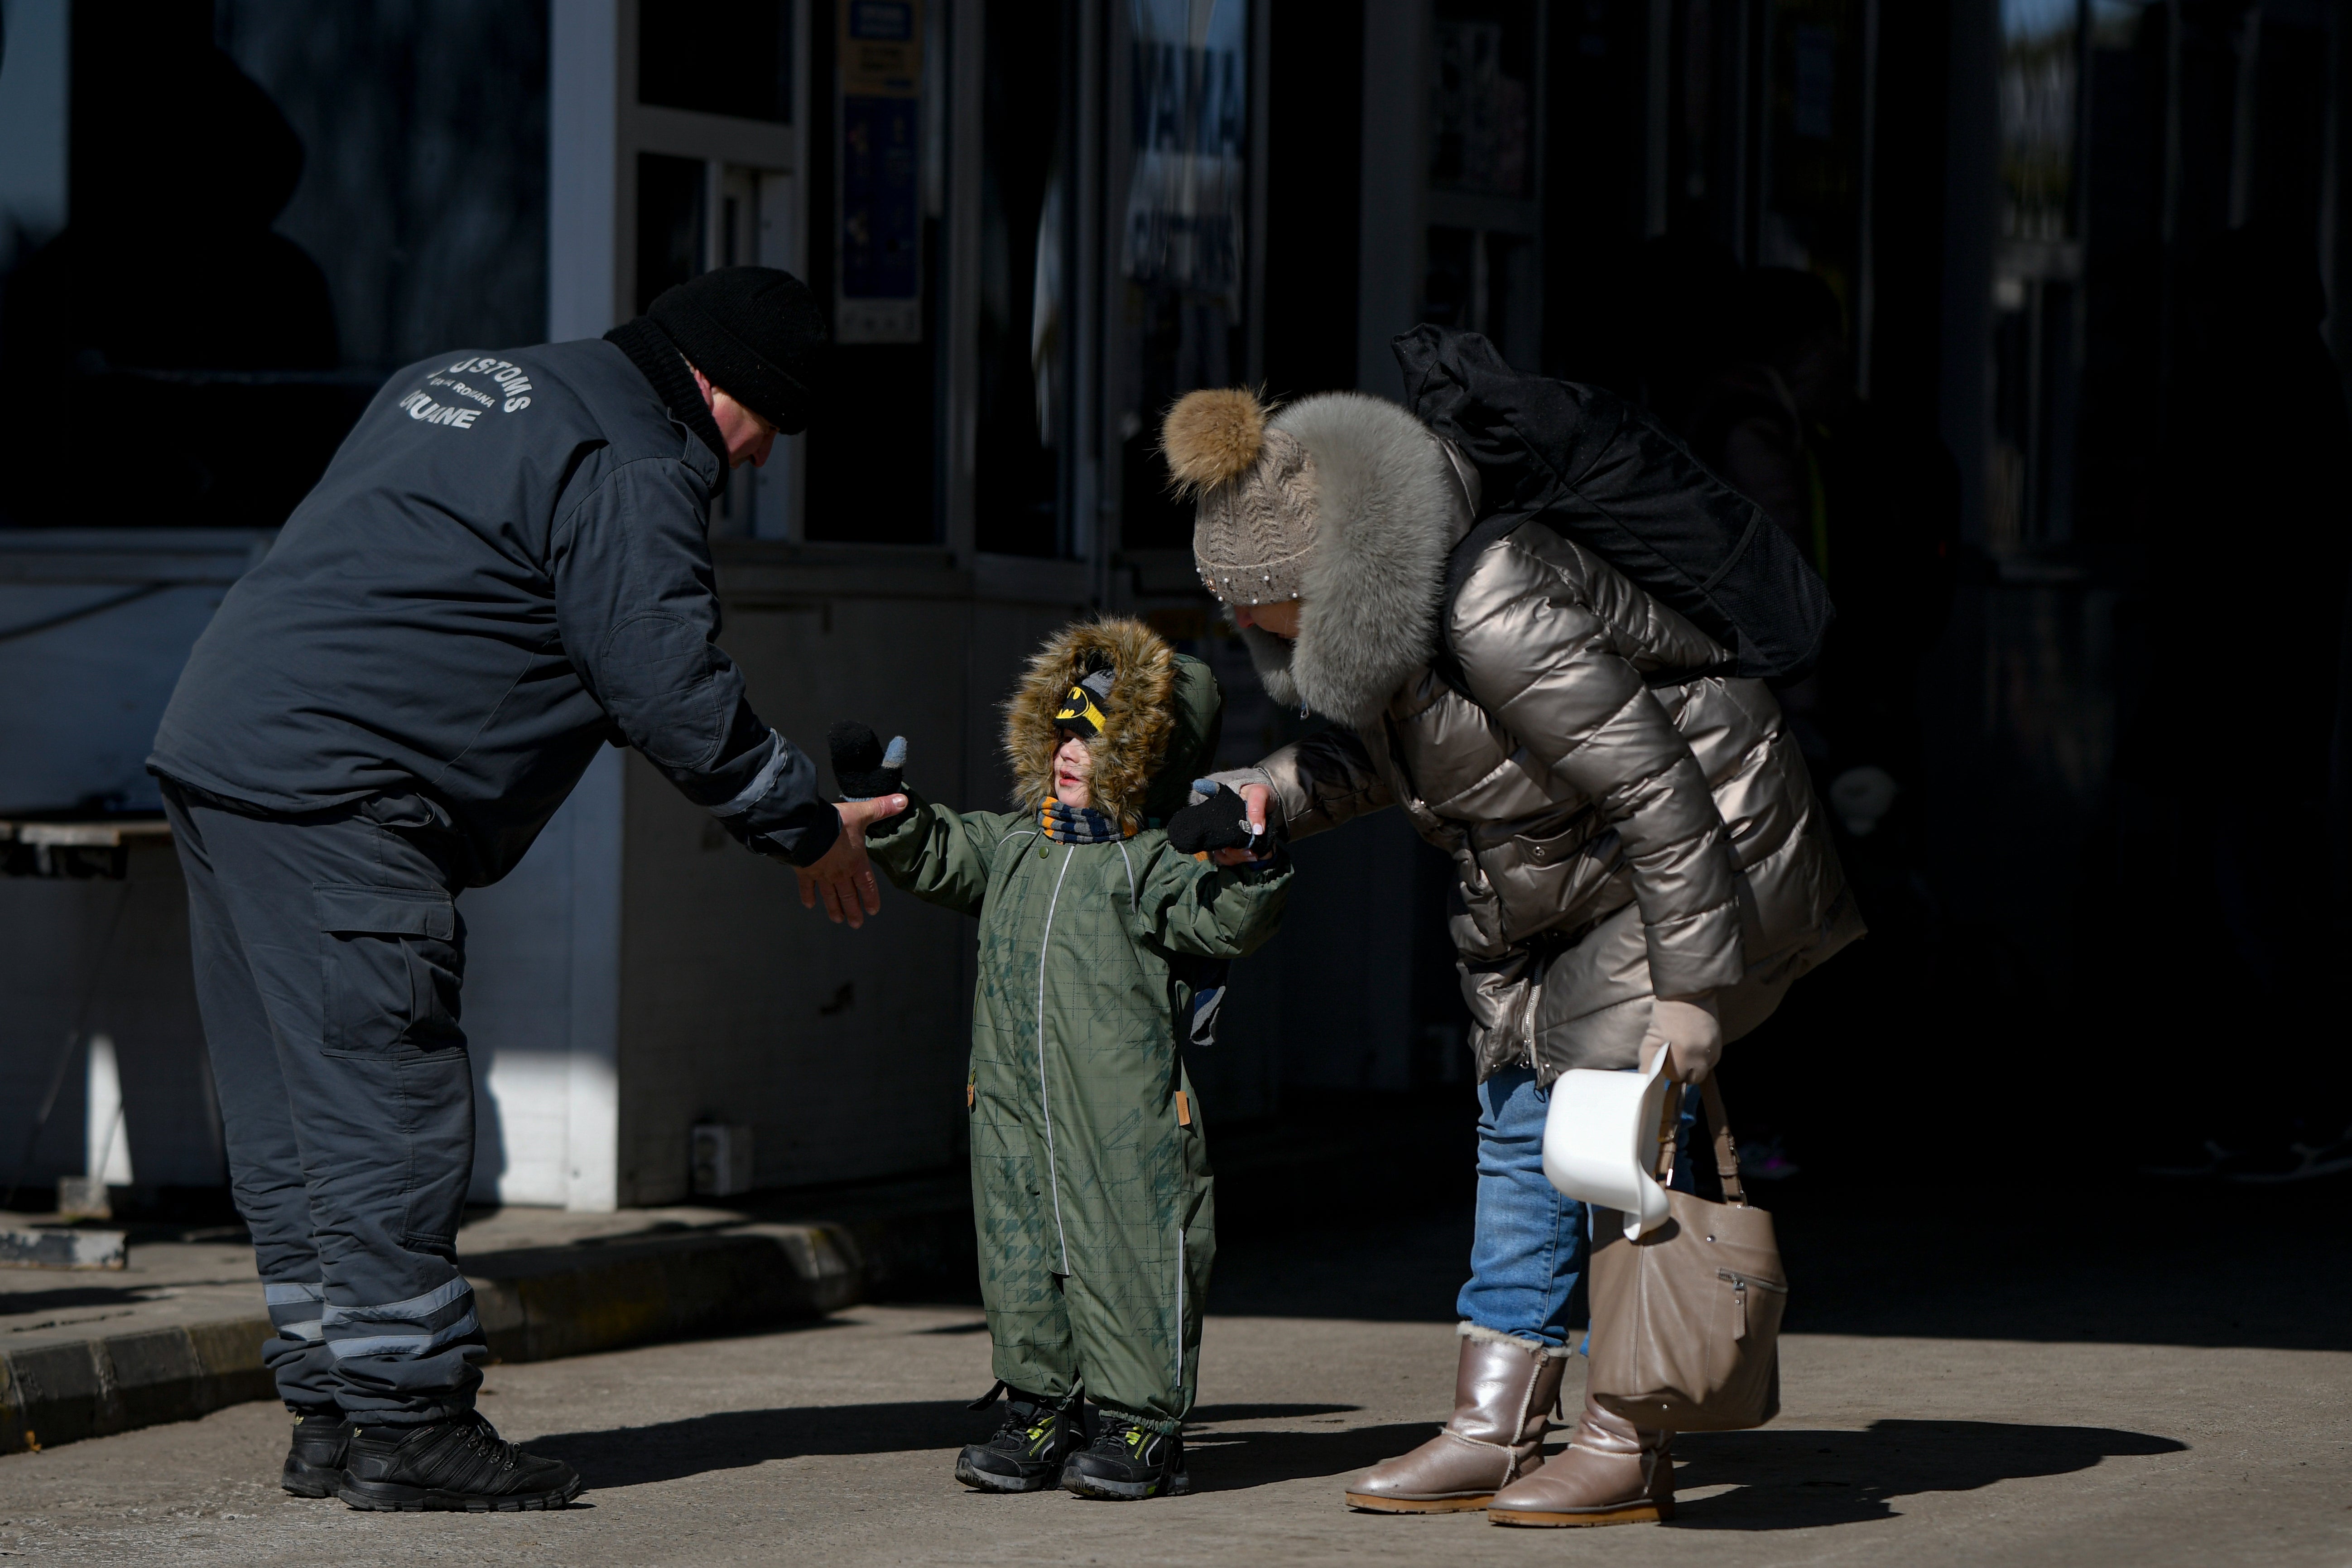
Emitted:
pixel 1642 862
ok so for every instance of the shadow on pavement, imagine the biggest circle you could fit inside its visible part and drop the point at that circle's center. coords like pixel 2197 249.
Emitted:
pixel 1237 1461
pixel 29 1303
pixel 1788 1479
pixel 737 1440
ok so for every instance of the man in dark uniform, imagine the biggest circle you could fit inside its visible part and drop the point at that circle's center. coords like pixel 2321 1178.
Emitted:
pixel 503 569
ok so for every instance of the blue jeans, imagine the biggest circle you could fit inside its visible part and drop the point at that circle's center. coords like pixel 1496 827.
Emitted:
pixel 1528 1253
pixel 1527 1259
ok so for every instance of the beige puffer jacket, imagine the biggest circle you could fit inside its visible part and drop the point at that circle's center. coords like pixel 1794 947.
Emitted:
pixel 1615 841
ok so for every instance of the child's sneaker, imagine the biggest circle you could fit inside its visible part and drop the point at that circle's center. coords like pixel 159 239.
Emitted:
pixel 1027 1452
pixel 1127 1460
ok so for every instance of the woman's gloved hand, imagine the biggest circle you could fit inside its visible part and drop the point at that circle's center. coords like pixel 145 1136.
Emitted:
pixel 1259 800
pixel 1689 1031
pixel 1220 822
pixel 861 766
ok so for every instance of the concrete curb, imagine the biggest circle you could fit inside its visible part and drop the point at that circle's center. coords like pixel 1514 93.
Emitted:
pixel 60 1393
pixel 535 1304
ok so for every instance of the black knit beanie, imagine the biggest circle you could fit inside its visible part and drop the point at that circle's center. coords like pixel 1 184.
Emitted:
pixel 756 332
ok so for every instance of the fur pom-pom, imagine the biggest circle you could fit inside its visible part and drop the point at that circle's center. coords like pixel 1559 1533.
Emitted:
pixel 1213 437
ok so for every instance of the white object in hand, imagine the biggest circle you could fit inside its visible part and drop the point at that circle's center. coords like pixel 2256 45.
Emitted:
pixel 1600 1140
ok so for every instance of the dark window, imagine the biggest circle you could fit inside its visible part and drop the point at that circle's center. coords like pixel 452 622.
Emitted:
pixel 1482 99
pixel 670 222
pixel 1025 267
pixel 716 57
pixel 1317 103
pixel 872 468
pixel 1184 244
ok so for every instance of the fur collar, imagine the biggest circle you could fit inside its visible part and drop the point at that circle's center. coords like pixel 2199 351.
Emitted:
pixel 1388 506
pixel 1140 715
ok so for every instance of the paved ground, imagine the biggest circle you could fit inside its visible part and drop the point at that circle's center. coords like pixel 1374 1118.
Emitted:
pixel 1967 1390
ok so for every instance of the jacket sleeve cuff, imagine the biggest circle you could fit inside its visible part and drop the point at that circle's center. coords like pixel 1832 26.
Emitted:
pixel 903 847
pixel 807 834
pixel 1697 953
pixel 777 811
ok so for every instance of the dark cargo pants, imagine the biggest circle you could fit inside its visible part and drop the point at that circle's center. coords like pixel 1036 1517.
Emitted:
pixel 328 959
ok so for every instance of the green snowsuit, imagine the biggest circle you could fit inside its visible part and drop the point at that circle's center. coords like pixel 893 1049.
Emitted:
pixel 1091 1188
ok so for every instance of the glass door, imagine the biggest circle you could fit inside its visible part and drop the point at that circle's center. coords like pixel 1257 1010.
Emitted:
pixel 1178 307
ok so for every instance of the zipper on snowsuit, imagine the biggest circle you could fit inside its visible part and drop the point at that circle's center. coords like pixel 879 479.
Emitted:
pixel 1044 1099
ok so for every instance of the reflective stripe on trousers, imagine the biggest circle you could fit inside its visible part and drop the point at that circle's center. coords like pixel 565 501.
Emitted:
pixel 437 1318
pixel 295 1308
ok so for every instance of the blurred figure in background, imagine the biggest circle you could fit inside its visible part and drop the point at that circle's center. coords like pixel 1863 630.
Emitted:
pixel 1873 503
pixel 170 307
pixel 1675 301
pixel 2255 523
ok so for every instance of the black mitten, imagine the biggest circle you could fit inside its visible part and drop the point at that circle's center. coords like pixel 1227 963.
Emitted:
pixel 1220 822
pixel 861 766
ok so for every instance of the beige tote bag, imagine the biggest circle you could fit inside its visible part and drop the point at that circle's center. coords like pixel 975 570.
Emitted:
pixel 1686 1320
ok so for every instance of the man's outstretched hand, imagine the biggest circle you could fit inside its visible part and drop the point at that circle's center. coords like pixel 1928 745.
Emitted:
pixel 842 873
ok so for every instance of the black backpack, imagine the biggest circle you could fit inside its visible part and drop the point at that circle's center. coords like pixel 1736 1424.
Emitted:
pixel 1601 472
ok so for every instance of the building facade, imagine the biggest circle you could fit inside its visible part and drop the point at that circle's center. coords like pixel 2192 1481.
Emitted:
pixel 1036 226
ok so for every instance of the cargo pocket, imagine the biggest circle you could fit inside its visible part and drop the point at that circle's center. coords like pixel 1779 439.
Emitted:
pixel 393 970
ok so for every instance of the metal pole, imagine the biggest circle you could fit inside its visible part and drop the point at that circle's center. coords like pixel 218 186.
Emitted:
pixel 1261 154
pixel 2169 286
pixel 1743 192
pixel 1866 292
pixel 2244 117
pixel 1657 116
pixel 959 307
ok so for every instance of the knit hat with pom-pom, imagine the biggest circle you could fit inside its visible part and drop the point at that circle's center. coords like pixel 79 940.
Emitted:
pixel 1253 487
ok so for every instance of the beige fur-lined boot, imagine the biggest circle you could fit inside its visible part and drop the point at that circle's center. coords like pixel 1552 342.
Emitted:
pixel 1504 1393
pixel 1612 1473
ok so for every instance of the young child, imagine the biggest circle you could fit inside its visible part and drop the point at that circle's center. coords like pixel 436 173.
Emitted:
pixel 1102 947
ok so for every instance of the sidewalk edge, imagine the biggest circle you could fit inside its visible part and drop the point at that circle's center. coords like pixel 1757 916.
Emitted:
pixel 534 1305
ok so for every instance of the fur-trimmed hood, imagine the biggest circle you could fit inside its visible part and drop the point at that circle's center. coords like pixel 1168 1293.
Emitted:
pixel 1390 503
pixel 1161 718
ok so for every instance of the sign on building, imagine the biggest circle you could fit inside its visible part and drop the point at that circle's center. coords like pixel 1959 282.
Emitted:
pixel 879 275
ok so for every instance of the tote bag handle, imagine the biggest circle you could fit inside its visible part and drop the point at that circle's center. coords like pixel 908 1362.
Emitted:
pixel 1727 1152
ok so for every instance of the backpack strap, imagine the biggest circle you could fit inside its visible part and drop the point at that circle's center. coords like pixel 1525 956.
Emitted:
pixel 1442 663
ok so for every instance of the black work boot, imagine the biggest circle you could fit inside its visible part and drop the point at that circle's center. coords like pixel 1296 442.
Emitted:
pixel 460 1465
pixel 1127 1460
pixel 314 1460
pixel 1027 1451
